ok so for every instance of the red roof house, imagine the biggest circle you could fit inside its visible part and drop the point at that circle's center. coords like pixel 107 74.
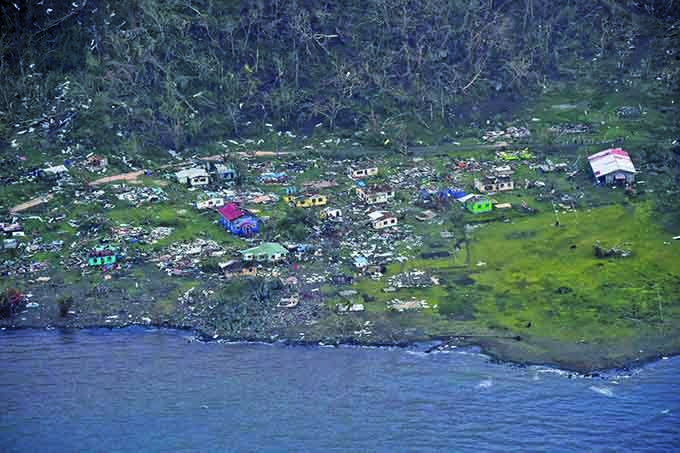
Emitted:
pixel 230 212
pixel 612 166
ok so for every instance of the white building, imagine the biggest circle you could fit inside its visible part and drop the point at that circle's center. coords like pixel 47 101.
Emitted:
pixel 210 203
pixel 333 214
pixel 193 177
pixel 612 166
pixel 382 219
pixel 375 195
pixel 358 173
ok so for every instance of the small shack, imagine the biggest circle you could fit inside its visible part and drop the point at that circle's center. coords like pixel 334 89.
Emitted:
pixel 267 252
pixel 612 166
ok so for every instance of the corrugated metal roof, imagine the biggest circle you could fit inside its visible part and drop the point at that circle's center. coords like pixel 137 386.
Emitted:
pixel 610 161
pixel 191 173
pixel 230 212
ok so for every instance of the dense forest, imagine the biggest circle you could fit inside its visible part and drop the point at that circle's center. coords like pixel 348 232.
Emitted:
pixel 182 72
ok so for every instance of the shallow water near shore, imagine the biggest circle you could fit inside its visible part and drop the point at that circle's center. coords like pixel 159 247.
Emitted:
pixel 141 390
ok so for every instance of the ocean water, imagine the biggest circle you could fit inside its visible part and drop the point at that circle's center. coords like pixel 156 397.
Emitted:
pixel 136 390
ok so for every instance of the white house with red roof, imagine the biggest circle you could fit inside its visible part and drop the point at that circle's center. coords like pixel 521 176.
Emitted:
pixel 612 166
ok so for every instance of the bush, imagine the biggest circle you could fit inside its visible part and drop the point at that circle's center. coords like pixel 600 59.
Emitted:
pixel 64 303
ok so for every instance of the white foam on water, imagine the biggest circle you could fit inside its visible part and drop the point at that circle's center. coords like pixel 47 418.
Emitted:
pixel 604 391
pixel 485 384
pixel 554 371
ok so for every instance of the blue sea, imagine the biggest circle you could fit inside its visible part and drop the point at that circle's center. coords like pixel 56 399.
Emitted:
pixel 135 390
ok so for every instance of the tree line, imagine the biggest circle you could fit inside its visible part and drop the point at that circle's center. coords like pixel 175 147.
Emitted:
pixel 181 72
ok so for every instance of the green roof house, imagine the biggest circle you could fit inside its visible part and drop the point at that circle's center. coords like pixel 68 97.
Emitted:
pixel 267 252
pixel 102 256
pixel 476 204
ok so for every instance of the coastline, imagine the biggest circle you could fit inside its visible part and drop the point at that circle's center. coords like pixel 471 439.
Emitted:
pixel 494 348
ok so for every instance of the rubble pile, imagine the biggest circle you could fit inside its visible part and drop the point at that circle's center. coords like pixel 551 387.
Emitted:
pixel 399 305
pixel 184 258
pixel 139 195
pixel 506 135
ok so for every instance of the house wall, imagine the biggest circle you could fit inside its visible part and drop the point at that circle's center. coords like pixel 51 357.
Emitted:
pixel 199 181
pixel 331 214
pixel 318 200
pixel 211 203
pixel 610 179
pixel 363 172
pixel 384 223
pixel 497 186
pixel 376 197
pixel 478 207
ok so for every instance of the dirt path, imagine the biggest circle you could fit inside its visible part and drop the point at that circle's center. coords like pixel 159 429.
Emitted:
pixel 31 203
pixel 122 177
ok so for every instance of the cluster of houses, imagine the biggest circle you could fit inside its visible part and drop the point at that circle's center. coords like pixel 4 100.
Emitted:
pixel 609 167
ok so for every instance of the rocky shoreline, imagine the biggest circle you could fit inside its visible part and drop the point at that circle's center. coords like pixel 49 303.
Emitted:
pixel 512 351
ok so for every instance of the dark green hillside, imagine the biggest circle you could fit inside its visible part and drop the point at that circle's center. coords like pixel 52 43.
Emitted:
pixel 174 73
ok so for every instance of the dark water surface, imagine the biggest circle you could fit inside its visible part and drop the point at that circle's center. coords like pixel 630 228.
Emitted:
pixel 140 391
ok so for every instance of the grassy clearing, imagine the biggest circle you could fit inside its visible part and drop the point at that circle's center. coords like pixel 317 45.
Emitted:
pixel 549 276
pixel 531 277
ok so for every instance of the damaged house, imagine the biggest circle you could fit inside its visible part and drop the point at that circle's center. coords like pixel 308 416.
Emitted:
pixel 236 268
pixel 382 219
pixel 224 172
pixel 273 178
pixel 193 177
pixel 210 203
pixel 375 194
pixel 500 180
pixel 96 163
pixel 237 221
pixel 358 173
pixel 54 173
pixel 612 166
pixel 332 214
